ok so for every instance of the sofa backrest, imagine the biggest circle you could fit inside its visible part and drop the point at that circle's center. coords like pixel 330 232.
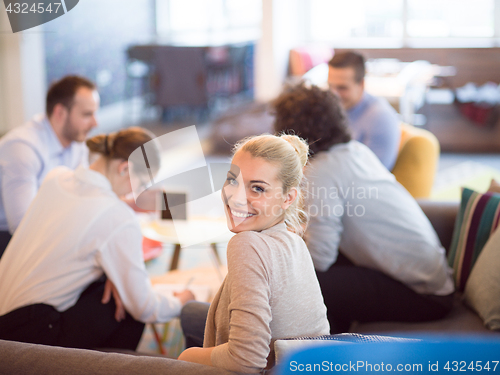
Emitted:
pixel 442 216
pixel 21 358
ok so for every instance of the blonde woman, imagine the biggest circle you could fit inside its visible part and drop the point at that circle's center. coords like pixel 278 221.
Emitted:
pixel 271 291
pixel 76 231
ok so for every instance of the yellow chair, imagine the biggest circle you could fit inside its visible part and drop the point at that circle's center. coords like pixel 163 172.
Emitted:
pixel 417 160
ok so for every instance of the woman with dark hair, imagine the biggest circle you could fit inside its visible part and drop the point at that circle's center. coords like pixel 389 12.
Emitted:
pixel 52 285
pixel 376 254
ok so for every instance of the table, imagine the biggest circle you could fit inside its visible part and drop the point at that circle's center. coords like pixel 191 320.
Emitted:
pixel 168 336
pixel 184 233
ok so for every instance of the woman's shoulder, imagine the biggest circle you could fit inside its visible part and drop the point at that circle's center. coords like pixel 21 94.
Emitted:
pixel 245 239
pixel 249 242
pixel 277 230
pixel 122 212
pixel 59 171
pixel 55 176
pixel 260 242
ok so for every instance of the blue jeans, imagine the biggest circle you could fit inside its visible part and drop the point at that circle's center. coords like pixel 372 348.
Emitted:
pixel 193 319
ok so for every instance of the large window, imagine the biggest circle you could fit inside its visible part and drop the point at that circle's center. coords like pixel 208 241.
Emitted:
pixel 208 21
pixel 372 23
pixel 451 18
pixel 331 19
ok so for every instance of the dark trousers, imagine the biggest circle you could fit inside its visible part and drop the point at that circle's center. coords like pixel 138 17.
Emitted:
pixel 4 241
pixel 88 324
pixel 361 294
pixel 193 320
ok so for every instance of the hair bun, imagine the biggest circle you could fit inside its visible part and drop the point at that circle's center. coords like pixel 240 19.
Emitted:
pixel 299 145
pixel 97 144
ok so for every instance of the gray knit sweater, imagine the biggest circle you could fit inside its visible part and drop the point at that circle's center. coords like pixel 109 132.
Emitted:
pixel 270 292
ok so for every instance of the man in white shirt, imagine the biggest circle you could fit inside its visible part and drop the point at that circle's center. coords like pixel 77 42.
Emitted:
pixel 29 152
pixel 377 256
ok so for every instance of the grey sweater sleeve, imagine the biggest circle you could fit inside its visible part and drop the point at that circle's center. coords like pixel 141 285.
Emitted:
pixel 249 312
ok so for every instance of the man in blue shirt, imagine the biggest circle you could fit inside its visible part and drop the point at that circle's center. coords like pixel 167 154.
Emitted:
pixel 29 152
pixel 372 120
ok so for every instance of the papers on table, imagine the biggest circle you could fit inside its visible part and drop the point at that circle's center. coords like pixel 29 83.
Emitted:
pixel 201 292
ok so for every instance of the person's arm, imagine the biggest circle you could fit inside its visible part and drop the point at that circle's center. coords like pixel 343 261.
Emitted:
pixel 122 262
pixel 250 314
pixel 384 135
pixel 197 355
pixel 21 166
pixel 325 206
pixel 110 290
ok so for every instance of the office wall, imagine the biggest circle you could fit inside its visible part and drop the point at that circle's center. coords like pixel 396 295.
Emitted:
pixel 91 40
pixel 281 31
pixel 11 95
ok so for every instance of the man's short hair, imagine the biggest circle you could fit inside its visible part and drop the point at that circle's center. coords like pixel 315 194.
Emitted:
pixel 350 59
pixel 311 113
pixel 63 92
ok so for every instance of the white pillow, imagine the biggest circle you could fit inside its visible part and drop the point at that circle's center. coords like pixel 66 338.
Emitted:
pixel 482 290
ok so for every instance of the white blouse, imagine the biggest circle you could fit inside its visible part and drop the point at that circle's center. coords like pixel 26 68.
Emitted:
pixel 75 230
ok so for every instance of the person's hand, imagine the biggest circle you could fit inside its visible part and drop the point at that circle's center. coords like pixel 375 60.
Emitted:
pixel 109 288
pixel 184 296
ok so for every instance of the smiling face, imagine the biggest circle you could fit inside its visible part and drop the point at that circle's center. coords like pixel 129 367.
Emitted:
pixel 253 194
pixel 342 81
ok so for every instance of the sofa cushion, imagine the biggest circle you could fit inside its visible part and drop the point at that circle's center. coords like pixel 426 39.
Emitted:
pixel 476 220
pixel 482 291
pixel 460 320
pixel 442 216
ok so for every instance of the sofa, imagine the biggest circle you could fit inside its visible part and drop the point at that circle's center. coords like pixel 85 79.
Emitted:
pixel 25 359
pixel 461 319
pixel 20 358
